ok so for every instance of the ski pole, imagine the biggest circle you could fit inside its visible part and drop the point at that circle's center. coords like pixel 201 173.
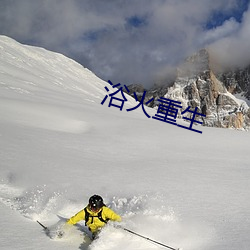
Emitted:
pixel 45 228
pixel 146 238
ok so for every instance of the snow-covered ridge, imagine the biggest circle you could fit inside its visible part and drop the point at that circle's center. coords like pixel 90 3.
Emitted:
pixel 30 66
pixel 33 74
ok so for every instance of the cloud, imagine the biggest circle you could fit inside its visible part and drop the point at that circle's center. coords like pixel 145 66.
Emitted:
pixel 228 28
pixel 125 41
pixel 233 49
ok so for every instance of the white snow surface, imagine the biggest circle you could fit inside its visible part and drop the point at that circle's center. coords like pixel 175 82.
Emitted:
pixel 59 146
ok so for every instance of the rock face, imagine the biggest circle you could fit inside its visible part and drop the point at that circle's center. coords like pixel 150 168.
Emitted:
pixel 237 81
pixel 196 85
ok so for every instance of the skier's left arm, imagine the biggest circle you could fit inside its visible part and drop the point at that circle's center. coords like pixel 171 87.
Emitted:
pixel 111 215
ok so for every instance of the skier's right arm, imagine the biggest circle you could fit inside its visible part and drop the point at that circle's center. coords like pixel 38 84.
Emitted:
pixel 77 217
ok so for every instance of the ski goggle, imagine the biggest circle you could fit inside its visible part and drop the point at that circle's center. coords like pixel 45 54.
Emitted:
pixel 94 208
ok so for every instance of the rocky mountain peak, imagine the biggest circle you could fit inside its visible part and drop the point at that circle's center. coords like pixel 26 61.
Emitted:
pixel 197 85
pixel 194 65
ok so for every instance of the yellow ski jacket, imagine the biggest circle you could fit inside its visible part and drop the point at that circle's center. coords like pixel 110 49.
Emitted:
pixel 94 223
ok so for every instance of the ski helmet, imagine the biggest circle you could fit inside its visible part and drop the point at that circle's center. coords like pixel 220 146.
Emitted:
pixel 95 202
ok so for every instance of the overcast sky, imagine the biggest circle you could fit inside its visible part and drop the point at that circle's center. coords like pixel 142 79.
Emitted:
pixel 131 41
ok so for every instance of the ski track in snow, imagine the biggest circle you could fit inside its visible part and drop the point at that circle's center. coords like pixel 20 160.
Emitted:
pixel 145 214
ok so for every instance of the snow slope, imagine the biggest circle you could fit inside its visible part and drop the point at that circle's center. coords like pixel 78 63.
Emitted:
pixel 59 146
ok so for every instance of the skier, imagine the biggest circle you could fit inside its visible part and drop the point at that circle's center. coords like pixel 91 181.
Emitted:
pixel 95 214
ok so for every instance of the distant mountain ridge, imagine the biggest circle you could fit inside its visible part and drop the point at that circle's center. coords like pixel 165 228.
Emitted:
pixel 224 97
pixel 221 96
